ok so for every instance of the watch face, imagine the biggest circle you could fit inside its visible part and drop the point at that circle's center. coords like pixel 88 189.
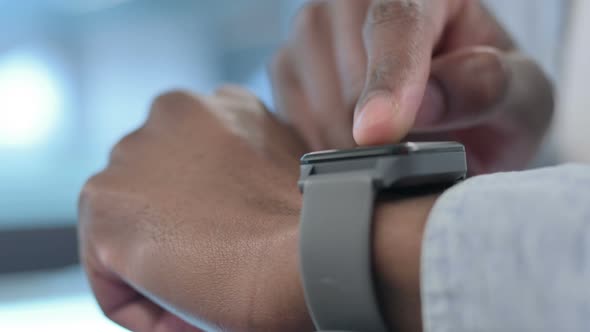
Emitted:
pixel 381 151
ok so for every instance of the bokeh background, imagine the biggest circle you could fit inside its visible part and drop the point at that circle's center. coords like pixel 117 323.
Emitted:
pixel 76 75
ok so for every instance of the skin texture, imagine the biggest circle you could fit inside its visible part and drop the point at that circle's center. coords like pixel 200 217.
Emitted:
pixel 196 217
pixel 193 225
pixel 368 72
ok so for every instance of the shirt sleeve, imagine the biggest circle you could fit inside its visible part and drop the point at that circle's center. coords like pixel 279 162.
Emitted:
pixel 510 252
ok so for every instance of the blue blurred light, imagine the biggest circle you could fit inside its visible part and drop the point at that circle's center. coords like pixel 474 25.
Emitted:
pixel 31 99
pixel 87 6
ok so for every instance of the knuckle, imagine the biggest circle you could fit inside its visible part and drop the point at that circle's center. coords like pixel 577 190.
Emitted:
pixel 232 98
pixel 91 198
pixel 393 11
pixel 381 74
pixel 235 92
pixel 175 105
pixel 395 69
pixel 103 203
pixel 121 149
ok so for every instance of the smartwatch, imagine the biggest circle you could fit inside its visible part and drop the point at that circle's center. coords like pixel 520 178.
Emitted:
pixel 339 188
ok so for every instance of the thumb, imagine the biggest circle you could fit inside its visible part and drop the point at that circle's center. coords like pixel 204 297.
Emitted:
pixel 498 104
pixel 477 84
pixel 464 88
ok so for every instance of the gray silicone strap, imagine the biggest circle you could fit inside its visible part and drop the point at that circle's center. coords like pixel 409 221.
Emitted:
pixel 336 255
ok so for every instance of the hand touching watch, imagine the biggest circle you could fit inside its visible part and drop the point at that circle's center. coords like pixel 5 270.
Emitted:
pixel 371 72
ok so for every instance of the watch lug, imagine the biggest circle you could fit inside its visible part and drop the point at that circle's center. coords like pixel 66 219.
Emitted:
pixel 306 171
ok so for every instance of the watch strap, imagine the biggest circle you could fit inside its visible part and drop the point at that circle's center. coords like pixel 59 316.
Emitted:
pixel 336 252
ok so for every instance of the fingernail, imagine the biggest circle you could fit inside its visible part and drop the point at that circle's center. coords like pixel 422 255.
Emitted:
pixel 374 119
pixel 433 105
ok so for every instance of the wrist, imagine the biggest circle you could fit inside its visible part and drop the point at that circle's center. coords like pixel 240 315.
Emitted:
pixel 398 231
pixel 282 295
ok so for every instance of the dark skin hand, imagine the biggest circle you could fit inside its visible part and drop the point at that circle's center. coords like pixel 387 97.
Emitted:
pixel 193 225
pixel 369 72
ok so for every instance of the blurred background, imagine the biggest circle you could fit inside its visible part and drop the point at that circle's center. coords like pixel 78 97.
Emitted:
pixel 77 75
